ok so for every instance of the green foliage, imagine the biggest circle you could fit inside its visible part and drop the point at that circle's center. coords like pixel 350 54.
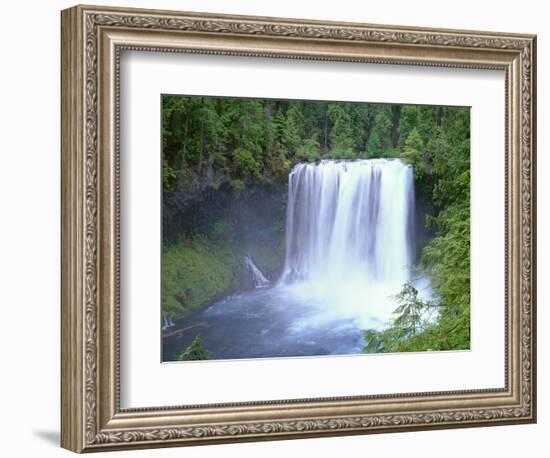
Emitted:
pixel 447 260
pixel 246 164
pixel 168 175
pixel 222 231
pixel 309 150
pixel 412 153
pixel 447 257
pixel 408 121
pixel 220 161
pixel 194 352
pixel 194 272
pixel 246 124
pixel 256 139
pixel 380 135
pixel 438 146
pixel 341 134
pixel 410 313
pixel 290 132
pixel 412 319
pixel 237 186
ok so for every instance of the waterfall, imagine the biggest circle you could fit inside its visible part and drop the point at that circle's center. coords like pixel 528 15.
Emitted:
pixel 349 233
pixel 259 279
pixel 167 323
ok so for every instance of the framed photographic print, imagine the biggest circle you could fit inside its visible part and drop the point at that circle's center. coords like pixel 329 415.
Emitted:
pixel 277 228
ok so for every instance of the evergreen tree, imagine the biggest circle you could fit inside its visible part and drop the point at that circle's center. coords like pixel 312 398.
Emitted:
pixel 412 153
pixel 341 134
pixel 379 140
pixel 291 129
pixel 194 352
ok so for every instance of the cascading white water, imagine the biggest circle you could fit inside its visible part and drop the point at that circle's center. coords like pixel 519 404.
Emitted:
pixel 257 276
pixel 167 323
pixel 349 235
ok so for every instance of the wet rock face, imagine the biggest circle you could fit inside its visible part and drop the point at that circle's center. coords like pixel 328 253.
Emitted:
pixel 193 208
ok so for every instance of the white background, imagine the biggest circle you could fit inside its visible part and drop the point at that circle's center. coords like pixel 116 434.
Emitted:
pixel 145 76
pixel 29 241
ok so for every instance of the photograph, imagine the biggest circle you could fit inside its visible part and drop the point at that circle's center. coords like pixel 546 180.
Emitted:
pixel 300 228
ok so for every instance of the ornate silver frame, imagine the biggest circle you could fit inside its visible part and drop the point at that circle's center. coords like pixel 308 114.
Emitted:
pixel 92 39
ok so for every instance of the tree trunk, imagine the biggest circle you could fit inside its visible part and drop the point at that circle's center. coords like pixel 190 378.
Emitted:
pixel 201 141
pixel 184 149
pixel 326 128
pixel 396 114
pixel 210 169
pixel 267 124
pixel 201 148
pixel 439 116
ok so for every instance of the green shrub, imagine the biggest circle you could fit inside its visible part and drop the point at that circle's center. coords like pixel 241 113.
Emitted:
pixel 309 150
pixel 168 175
pixel 246 164
pixel 222 230
pixel 412 154
pixel 220 161
pixel 237 186
pixel 194 352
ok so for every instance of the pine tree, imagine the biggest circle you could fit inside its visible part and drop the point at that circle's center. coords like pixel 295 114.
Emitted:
pixel 341 134
pixel 194 352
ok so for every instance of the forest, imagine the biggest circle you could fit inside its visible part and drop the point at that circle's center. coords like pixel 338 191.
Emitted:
pixel 225 168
